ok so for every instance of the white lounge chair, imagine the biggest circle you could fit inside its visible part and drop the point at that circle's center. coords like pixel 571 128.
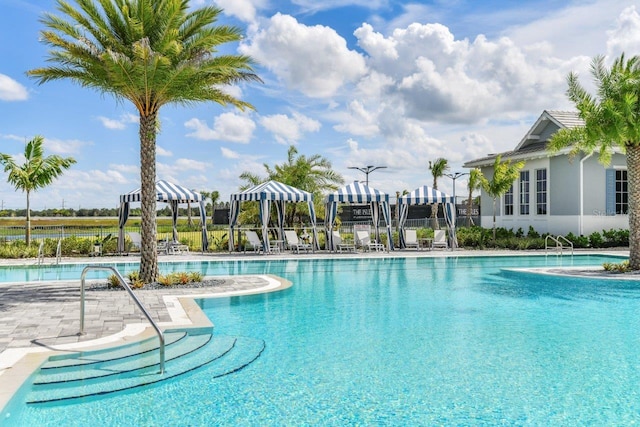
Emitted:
pixel 294 244
pixel 440 239
pixel 254 242
pixel 340 246
pixel 363 239
pixel 411 239
pixel 136 240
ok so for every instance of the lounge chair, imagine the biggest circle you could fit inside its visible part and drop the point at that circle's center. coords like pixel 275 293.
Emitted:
pixel 136 240
pixel 340 246
pixel 363 239
pixel 294 244
pixel 440 239
pixel 254 241
pixel 411 239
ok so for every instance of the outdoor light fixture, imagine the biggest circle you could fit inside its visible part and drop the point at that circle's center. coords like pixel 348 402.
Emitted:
pixel 367 170
pixel 454 176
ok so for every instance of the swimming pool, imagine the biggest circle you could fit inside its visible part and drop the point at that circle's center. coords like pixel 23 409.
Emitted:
pixel 405 341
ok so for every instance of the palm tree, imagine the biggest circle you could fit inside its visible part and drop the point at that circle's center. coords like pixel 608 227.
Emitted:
pixel 474 183
pixel 36 172
pixel 504 173
pixel 438 168
pixel 312 174
pixel 149 52
pixel 611 121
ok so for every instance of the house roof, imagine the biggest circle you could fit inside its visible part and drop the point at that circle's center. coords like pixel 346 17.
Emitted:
pixel 534 143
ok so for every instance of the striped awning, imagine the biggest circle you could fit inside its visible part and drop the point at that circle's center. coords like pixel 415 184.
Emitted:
pixel 272 190
pixel 425 195
pixel 166 192
pixel 357 192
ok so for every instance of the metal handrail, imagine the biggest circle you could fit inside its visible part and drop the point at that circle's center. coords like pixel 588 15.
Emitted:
pixel 59 251
pixel 41 253
pixel 558 243
pixel 135 299
pixel 570 243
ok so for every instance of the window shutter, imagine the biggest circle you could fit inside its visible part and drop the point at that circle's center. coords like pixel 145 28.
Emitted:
pixel 611 192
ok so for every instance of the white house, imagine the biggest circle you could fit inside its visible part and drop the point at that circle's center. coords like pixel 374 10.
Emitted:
pixel 555 193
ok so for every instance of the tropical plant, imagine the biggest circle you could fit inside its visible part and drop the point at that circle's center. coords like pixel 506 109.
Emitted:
pixel 474 183
pixel 504 173
pixel 152 53
pixel 312 174
pixel 214 196
pixel 611 121
pixel 438 168
pixel 35 173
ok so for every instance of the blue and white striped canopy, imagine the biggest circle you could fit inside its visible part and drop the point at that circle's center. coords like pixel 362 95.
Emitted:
pixel 425 195
pixel 272 190
pixel 166 192
pixel 357 192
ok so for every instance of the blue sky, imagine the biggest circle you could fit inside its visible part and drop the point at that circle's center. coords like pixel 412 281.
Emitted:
pixel 361 82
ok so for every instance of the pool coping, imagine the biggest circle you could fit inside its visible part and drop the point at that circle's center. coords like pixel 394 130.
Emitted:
pixel 17 364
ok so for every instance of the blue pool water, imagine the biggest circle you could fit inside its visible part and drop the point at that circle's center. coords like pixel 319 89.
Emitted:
pixel 405 341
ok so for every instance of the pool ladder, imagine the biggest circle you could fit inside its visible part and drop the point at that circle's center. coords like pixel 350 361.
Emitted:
pixel 557 244
pixel 41 252
pixel 126 286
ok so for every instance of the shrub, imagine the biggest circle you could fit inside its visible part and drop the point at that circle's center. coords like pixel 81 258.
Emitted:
pixel 596 240
pixel 622 267
pixel 532 232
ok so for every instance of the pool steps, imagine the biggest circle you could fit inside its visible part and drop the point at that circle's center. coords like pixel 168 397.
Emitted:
pixel 81 375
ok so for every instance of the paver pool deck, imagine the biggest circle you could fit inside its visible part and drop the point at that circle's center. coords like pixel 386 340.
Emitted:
pixel 45 316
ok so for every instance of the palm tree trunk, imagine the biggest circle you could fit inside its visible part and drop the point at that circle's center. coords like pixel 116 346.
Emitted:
pixel 27 231
pixel 469 204
pixel 633 175
pixel 434 216
pixel 148 252
pixel 494 220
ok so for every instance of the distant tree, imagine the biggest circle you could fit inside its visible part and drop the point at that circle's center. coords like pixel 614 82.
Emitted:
pixel 151 53
pixel 313 174
pixel 438 168
pixel 474 183
pixel 35 173
pixel 611 121
pixel 504 174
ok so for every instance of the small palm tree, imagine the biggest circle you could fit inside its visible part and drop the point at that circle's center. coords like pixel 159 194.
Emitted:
pixel 474 183
pixel 36 172
pixel 504 173
pixel 612 121
pixel 151 53
pixel 438 168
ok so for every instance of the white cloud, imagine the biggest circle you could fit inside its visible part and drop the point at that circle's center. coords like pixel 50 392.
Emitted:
pixel 126 168
pixel 120 123
pixel 314 60
pixel 162 152
pixel 244 10
pixel 64 147
pixel 289 130
pixel 229 154
pixel 11 90
pixel 227 126
pixel 626 36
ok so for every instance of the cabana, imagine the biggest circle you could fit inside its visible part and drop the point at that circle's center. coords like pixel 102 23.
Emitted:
pixel 166 192
pixel 425 196
pixel 358 192
pixel 267 193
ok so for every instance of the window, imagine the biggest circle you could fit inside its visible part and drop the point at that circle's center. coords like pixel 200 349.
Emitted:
pixel 622 194
pixel 508 201
pixel 541 191
pixel 524 193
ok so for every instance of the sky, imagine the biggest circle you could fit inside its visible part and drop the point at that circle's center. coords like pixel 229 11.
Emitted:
pixel 360 82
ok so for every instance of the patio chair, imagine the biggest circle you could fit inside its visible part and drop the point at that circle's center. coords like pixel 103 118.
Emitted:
pixel 411 239
pixel 363 239
pixel 136 240
pixel 254 242
pixel 342 246
pixel 440 239
pixel 294 244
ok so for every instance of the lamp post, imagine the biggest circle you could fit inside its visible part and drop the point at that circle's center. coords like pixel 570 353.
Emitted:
pixel 367 170
pixel 454 176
